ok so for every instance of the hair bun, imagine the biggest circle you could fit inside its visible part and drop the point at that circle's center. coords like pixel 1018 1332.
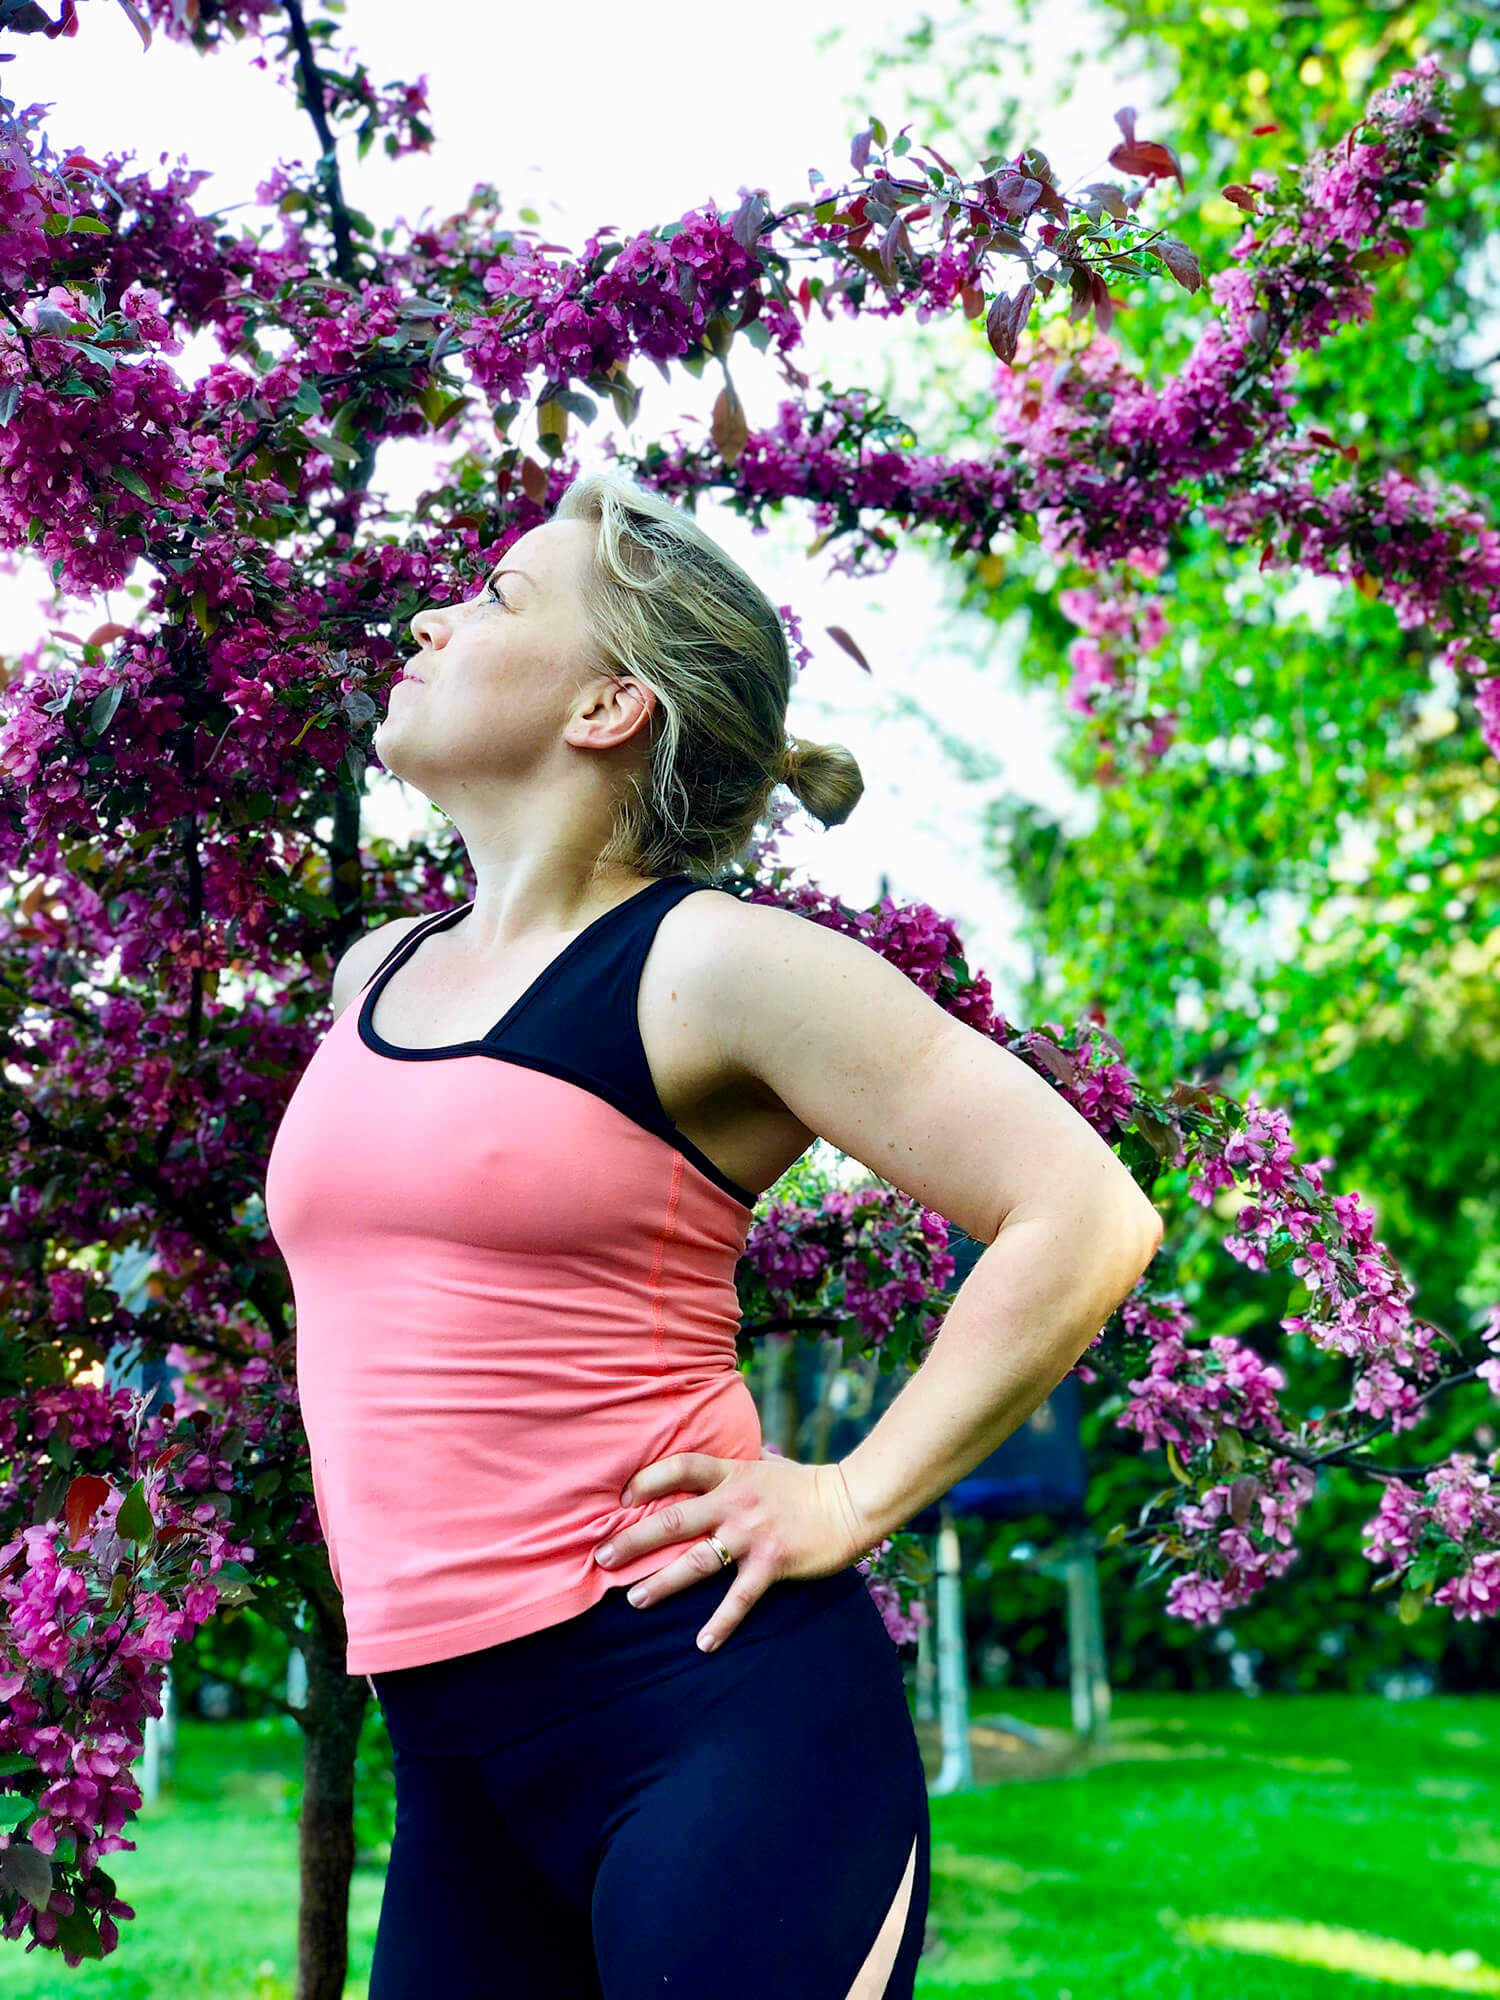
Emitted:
pixel 824 778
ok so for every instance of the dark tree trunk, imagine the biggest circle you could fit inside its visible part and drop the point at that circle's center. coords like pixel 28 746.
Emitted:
pixel 335 1710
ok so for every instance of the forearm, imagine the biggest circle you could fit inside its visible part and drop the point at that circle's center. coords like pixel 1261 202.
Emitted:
pixel 1027 1310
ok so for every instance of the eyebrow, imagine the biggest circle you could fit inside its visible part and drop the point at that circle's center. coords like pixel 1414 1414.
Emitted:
pixel 514 572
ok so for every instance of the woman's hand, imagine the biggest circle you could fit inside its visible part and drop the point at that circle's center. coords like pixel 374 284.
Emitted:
pixel 776 1517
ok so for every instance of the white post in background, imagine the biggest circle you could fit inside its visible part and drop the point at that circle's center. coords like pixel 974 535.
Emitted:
pixel 126 1277
pixel 296 1666
pixel 926 1703
pixel 159 1744
pixel 778 1412
pixel 956 1772
pixel 1088 1668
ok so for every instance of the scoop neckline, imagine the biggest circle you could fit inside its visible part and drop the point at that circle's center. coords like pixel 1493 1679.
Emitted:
pixel 407 949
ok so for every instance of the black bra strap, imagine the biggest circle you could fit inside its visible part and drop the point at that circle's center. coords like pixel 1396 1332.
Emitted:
pixel 413 937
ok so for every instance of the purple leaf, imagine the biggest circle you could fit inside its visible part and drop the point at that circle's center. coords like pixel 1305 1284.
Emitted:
pixel 838 633
pixel 1180 261
pixel 1144 156
pixel 1243 1494
pixel 1107 197
pixel 749 218
pixel 1017 194
pixel 1006 319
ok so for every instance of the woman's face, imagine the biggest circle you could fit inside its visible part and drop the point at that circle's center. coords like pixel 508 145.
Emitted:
pixel 504 681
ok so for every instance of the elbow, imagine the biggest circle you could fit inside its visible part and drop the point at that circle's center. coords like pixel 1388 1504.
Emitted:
pixel 1138 1231
pixel 1153 1229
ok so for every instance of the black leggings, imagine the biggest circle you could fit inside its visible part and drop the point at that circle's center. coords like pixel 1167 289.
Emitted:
pixel 598 1811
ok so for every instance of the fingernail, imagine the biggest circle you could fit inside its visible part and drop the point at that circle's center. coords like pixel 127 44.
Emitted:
pixel 636 1596
pixel 605 1554
pixel 706 1642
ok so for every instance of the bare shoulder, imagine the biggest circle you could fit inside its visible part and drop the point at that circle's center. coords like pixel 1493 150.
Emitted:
pixel 768 975
pixel 363 956
pixel 862 1056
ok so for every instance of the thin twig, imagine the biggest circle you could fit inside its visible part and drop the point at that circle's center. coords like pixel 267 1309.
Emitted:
pixel 316 106
pixel 21 329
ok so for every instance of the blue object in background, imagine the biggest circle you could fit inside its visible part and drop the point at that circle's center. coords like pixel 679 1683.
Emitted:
pixel 1039 1469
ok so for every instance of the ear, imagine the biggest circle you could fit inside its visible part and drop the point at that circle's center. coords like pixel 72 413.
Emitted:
pixel 619 711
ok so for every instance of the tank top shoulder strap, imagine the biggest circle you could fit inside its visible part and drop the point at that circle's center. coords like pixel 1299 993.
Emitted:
pixel 585 1024
pixel 412 939
pixel 586 998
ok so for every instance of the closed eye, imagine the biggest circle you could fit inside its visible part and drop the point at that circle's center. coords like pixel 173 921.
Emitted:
pixel 494 596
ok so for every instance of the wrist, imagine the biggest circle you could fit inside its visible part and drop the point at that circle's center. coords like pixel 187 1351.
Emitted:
pixel 867 1532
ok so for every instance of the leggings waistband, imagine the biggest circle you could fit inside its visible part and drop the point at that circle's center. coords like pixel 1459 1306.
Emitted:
pixel 484 1700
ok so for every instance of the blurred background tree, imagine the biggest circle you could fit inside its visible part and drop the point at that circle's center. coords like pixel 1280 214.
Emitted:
pixel 1302 895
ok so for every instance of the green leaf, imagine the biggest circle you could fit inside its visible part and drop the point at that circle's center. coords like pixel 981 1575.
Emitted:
pixel 1231 1448
pixel 123 475
pixel 76 1932
pixel 103 355
pixel 340 452
pixel 439 405
pixel 102 708
pixel 581 406
pixel 28 1872
pixel 133 1522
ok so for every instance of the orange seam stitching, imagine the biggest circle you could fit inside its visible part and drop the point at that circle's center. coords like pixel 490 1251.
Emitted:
pixel 658 1296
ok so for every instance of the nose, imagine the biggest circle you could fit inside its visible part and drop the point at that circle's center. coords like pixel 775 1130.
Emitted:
pixel 429 629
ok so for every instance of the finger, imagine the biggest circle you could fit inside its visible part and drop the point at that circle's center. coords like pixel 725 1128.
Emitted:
pixel 683 1472
pixel 692 1566
pixel 748 1585
pixel 678 1521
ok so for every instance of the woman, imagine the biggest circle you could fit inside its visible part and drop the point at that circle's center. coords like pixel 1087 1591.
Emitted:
pixel 511 1189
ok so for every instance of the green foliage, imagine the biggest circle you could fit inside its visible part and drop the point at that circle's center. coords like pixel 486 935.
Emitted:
pixel 1322 1630
pixel 1299 896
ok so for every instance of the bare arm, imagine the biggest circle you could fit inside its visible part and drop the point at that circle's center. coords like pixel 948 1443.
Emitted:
pixel 861 1055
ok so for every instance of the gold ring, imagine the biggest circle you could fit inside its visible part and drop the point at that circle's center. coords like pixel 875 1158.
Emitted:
pixel 719 1550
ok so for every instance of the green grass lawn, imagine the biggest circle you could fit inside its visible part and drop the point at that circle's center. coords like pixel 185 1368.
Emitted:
pixel 1233 1849
pixel 1270 1849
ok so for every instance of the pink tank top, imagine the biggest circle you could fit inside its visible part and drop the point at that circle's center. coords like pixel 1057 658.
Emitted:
pixel 514 1282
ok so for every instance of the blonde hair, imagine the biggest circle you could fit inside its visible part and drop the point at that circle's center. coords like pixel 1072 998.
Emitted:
pixel 668 607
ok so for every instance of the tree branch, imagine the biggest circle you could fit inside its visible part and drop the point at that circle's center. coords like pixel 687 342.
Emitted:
pixel 316 106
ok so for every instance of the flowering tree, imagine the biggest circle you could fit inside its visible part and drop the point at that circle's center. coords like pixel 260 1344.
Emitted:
pixel 182 806
pixel 1287 868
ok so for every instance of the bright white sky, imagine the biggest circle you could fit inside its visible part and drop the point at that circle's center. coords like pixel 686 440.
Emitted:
pixel 631 120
